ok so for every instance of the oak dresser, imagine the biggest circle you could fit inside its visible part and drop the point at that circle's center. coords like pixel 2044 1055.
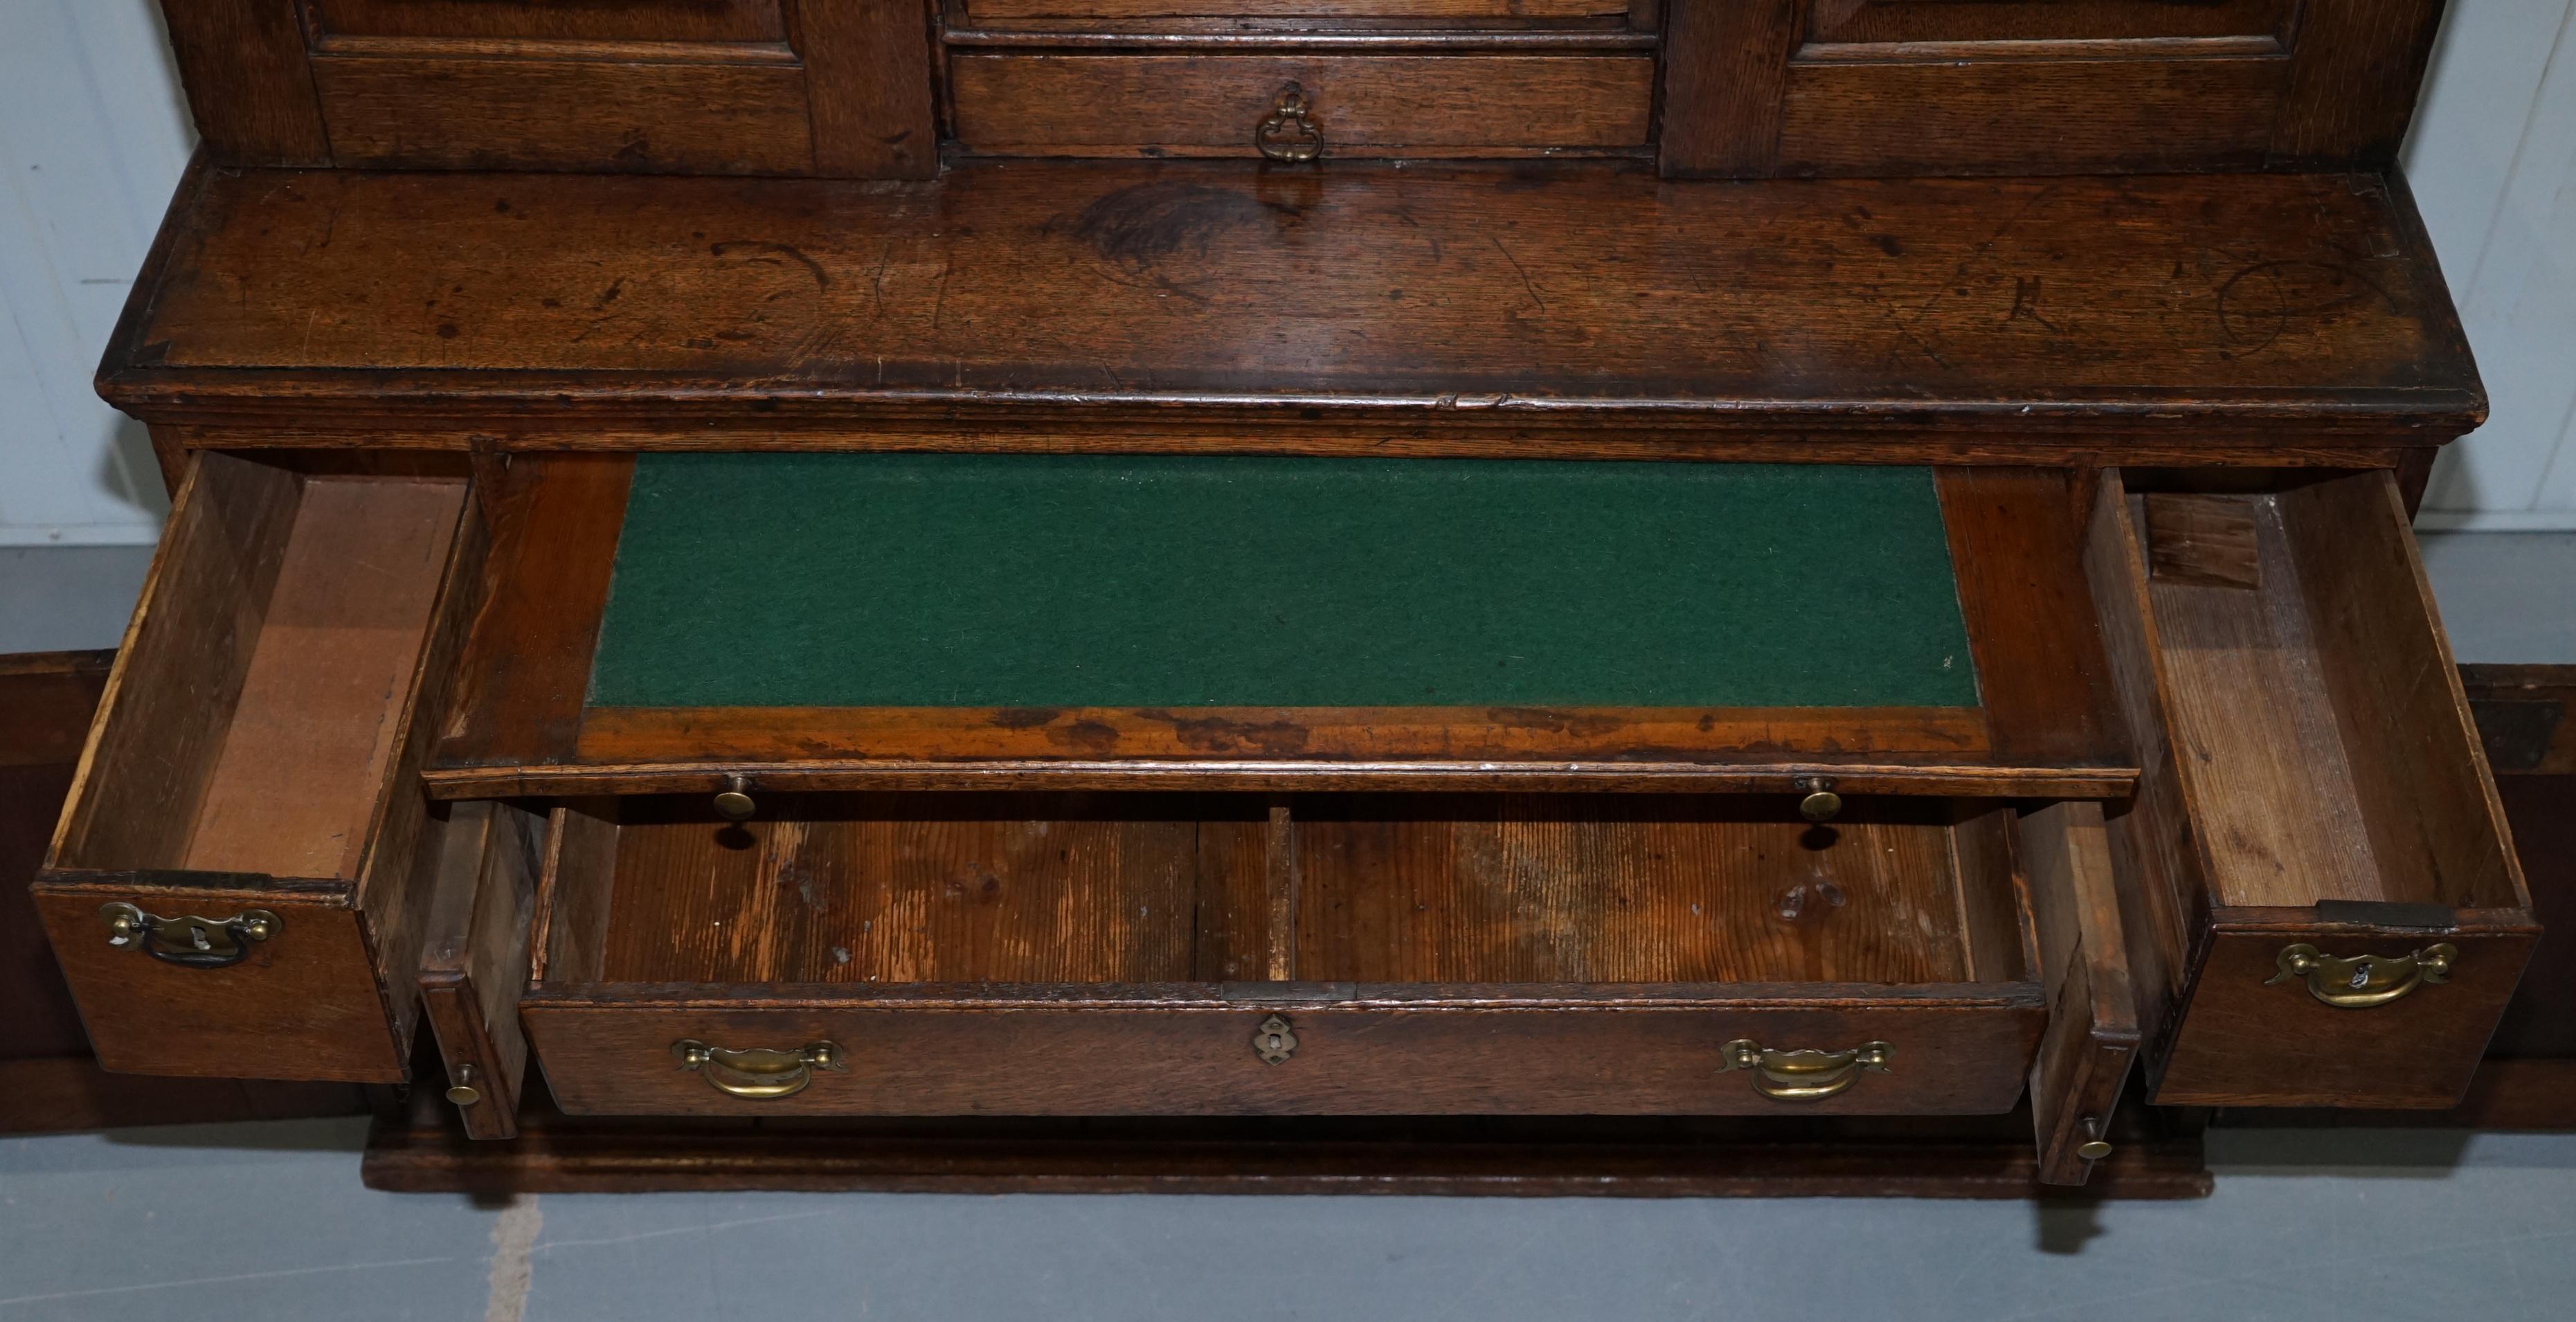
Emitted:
pixel 784 581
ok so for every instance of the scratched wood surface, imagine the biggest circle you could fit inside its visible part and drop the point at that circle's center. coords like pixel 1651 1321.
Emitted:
pixel 1560 294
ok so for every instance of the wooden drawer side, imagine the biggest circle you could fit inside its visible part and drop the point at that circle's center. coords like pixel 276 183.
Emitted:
pixel 2313 795
pixel 263 735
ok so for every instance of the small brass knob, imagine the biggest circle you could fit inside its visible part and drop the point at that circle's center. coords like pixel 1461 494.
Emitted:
pixel 1821 802
pixel 2093 1148
pixel 463 1091
pixel 733 802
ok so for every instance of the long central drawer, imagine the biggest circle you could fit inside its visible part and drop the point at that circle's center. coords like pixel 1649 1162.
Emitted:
pixel 1114 954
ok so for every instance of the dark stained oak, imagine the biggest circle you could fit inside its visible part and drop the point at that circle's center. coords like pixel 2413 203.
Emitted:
pixel 1472 304
pixel 1364 105
pixel 2156 1155
pixel 2310 776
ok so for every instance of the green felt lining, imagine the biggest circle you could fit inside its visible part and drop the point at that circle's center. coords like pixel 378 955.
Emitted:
pixel 866 580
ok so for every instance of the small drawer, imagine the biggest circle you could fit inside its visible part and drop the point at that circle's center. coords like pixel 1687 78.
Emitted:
pixel 2324 904
pixel 240 877
pixel 1353 105
pixel 928 954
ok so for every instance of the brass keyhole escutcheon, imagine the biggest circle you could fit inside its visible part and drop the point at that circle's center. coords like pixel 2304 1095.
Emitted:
pixel 1821 803
pixel 733 802
pixel 1274 1041
pixel 1290 133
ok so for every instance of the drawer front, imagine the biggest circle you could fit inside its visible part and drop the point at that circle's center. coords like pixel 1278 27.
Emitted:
pixel 1442 105
pixel 300 1003
pixel 1961 1056
pixel 2258 1031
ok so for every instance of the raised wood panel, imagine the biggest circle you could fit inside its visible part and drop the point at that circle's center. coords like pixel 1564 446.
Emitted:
pixel 560 114
pixel 1386 104
pixel 556 20
pixel 2041 20
pixel 2025 117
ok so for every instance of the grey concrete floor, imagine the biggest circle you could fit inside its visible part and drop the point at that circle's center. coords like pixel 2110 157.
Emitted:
pixel 269 1220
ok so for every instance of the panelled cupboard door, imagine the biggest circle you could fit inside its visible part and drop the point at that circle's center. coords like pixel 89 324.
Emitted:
pixel 774 87
pixel 1856 87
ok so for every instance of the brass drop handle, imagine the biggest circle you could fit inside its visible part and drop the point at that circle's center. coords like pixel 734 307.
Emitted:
pixel 1290 133
pixel 188 941
pixel 1806 1075
pixel 2363 981
pixel 759 1074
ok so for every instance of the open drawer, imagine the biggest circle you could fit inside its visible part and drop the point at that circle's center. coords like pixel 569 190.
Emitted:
pixel 2323 901
pixel 746 623
pixel 238 882
pixel 1175 954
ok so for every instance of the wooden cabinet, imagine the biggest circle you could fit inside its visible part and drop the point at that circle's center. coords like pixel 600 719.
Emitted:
pixel 990 620
pixel 886 88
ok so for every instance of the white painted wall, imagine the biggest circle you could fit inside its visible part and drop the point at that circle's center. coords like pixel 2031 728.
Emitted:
pixel 93 135
pixel 2493 164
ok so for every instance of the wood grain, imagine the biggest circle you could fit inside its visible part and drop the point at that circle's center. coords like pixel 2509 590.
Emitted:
pixel 2195 538
pixel 2243 1043
pixel 526 665
pixel 625 20
pixel 519 114
pixel 2043 681
pixel 169 701
pixel 900 889
pixel 1726 70
pixel 868 81
pixel 474 958
pixel 314 730
pixel 1634 889
pixel 1412 1050
pixel 2029 117
pixel 304 1005
pixel 2355 70
pixel 2159 1155
pixel 2092 1036
pixel 1364 104
pixel 2420 773
pixel 1473 304
pixel 2018 21
pixel 249 83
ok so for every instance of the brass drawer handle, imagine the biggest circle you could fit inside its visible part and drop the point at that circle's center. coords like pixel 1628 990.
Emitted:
pixel 188 941
pixel 759 1074
pixel 2364 980
pixel 1804 1076
pixel 1290 134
